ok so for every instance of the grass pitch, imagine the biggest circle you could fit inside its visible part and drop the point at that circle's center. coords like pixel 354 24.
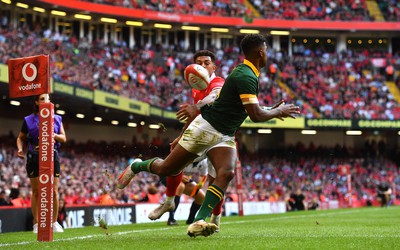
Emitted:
pixel 364 228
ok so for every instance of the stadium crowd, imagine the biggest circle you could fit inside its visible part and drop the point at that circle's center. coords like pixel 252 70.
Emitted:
pixel 339 10
pixel 88 171
pixel 153 74
pixel 390 9
pixel 354 10
pixel 323 84
pixel 235 8
pixel 342 85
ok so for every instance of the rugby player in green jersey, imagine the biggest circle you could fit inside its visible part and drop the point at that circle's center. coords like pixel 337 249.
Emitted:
pixel 213 131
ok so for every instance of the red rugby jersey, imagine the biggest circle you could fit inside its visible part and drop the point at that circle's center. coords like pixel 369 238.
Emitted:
pixel 215 82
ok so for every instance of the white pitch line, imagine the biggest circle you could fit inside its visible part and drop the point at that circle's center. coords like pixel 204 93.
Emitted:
pixel 168 228
pixel 86 237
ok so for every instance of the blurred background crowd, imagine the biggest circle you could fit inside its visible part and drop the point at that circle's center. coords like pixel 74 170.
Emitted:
pixel 325 84
pixel 89 171
pixel 353 10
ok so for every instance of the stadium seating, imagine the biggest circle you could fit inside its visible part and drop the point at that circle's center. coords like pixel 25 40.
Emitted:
pixel 145 74
pixel 213 8
pixel 89 169
pixel 355 10
pixel 390 9
pixel 324 85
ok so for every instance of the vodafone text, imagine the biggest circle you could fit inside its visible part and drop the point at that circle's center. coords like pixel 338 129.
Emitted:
pixel 46 178
pixel 44 200
pixel 30 86
pixel 46 137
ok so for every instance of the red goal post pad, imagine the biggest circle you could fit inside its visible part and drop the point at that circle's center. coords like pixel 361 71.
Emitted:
pixel 46 172
pixel 29 76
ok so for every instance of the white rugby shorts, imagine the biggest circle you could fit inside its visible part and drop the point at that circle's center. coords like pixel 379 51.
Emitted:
pixel 200 137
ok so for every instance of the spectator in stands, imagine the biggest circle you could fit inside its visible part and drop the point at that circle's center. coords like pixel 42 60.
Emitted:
pixel 15 198
pixel 278 174
pixel 313 204
pixel 29 137
pixel 107 199
pixel 152 195
pixel 389 72
pixel 320 82
pixel 62 214
pixel 384 192
pixel 297 201
pixel 4 200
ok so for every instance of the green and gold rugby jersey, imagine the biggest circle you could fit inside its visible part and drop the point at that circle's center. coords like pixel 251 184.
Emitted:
pixel 227 113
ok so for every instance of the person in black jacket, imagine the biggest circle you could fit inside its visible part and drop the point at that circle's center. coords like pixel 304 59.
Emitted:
pixel 384 191
pixel 297 201
pixel 4 201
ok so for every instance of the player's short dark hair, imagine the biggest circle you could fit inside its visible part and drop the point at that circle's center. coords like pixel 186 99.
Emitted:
pixel 204 52
pixel 251 43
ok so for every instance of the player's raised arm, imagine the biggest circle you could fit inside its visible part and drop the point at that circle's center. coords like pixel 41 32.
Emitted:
pixel 259 114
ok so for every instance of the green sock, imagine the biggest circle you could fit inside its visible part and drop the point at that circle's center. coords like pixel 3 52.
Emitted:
pixel 213 196
pixel 143 166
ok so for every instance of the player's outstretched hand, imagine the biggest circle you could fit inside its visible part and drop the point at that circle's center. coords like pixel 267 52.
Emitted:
pixel 186 111
pixel 288 110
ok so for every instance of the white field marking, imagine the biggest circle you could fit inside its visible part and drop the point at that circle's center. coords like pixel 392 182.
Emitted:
pixel 372 236
pixel 232 222
pixel 87 236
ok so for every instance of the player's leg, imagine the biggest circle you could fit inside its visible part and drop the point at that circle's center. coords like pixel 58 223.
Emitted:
pixel 56 226
pixel 55 198
pixel 32 170
pixel 385 200
pixel 171 219
pixel 196 139
pixel 381 198
pixel 172 184
pixel 34 202
pixel 176 200
pixel 211 179
pixel 224 161
pixel 177 160
pixel 216 213
pixel 198 200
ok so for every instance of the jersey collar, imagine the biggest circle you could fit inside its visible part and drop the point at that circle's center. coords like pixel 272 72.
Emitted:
pixel 251 65
pixel 212 76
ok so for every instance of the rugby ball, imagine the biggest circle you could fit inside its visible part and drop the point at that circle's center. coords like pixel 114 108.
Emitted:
pixel 197 76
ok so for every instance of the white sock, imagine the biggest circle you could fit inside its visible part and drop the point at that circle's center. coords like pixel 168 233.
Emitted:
pixel 169 200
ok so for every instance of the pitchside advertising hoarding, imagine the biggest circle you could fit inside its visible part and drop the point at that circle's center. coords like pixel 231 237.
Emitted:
pixel 78 216
pixel 29 76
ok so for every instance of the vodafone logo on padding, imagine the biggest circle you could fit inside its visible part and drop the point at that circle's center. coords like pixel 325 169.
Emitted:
pixel 33 75
pixel 44 178
pixel 44 113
